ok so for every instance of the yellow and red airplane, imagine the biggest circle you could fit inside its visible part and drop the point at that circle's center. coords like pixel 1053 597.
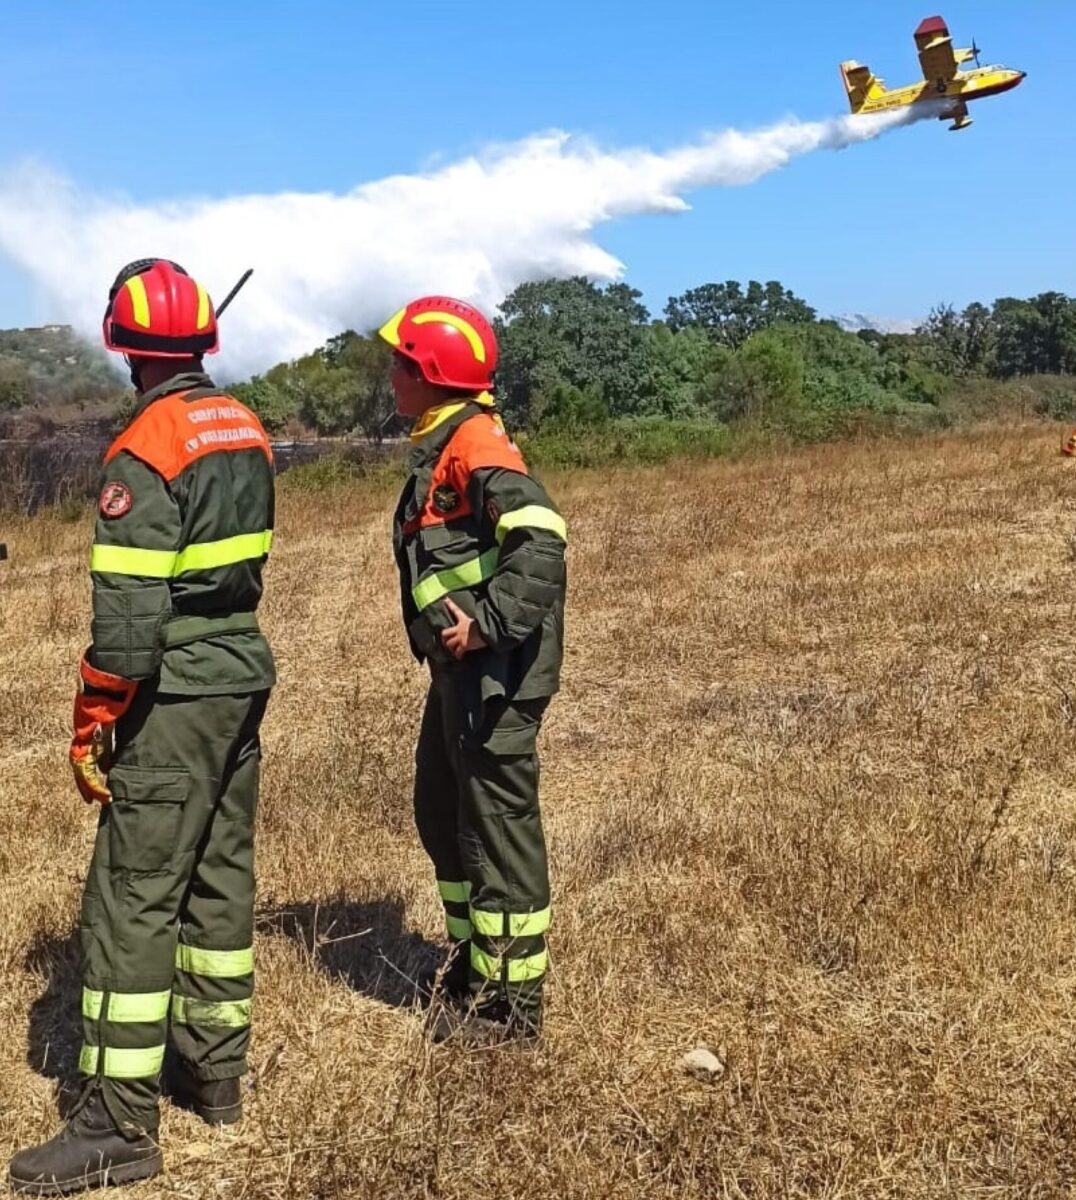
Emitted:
pixel 946 86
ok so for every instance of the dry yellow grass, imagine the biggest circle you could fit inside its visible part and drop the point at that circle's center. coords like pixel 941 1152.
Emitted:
pixel 809 798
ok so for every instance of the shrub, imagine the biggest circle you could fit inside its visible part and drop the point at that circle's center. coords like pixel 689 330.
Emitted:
pixel 329 471
pixel 644 440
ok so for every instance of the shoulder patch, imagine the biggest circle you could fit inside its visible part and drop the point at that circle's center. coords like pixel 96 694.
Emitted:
pixel 445 498
pixel 116 500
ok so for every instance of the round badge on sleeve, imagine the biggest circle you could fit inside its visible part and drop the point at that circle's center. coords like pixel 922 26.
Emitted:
pixel 116 500
pixel 445 498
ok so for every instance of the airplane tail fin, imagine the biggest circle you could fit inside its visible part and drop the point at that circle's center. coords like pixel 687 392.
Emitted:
pixel 860 84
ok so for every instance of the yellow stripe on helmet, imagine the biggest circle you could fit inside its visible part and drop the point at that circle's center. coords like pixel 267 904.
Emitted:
pixel 390 331
pixel 465 327
pixel 136 289
pixel 203 307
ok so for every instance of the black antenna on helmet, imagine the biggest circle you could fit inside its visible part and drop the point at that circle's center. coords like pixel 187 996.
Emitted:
pixel 235 291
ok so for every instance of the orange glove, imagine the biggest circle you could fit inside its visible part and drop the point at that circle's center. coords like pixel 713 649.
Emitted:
pixel 101 700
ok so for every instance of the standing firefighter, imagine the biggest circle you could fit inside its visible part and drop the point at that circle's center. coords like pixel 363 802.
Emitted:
pixel 177 677
pixel 480 549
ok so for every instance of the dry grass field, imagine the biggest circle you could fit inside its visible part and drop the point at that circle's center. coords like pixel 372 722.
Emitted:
pixel 809 793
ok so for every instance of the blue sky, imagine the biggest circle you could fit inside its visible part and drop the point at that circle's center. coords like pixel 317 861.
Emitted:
pixel 159 101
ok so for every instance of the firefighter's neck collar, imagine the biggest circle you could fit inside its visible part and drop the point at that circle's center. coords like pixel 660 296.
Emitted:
pixel 178 383
pixel 434 417
pixel 184 382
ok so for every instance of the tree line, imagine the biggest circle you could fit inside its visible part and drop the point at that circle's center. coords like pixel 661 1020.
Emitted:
pixel 574 353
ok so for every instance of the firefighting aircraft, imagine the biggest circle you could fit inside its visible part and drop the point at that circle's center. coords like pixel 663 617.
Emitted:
pixel 946 86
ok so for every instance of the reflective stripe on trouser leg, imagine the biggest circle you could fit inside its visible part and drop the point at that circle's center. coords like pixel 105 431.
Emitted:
pixel 219 1014
pixel 510 960
pixel 157 865
pixel 214 970
pixel 125 1033
pixel 508 953
pixel 436 804
pixel 211 1009
pixel 128 942
pixel 454 896
pixel 503 849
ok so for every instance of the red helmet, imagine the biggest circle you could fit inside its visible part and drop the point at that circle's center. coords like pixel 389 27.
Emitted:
pixel 451 342
pixel 156 310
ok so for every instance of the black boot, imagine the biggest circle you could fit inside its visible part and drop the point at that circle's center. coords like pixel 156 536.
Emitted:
pixel 450 979
pixel 490 1024
pixel 216 1101
pixel 88 1152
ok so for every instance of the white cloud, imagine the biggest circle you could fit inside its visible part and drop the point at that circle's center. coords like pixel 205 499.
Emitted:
pixel 323 262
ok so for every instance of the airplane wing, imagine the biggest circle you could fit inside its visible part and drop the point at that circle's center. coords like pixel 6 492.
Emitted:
pixel 936 54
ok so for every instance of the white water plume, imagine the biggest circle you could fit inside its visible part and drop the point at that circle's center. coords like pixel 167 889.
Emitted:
pixel 324 262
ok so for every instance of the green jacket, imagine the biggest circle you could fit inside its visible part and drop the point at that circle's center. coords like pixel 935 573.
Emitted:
pixel 473 524
pixel 184 524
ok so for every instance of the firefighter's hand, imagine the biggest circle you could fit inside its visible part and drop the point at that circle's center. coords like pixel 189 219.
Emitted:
pixel 463 637
pixel 89 762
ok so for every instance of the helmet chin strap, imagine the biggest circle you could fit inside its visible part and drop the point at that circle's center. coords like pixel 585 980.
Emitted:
pixel 132 367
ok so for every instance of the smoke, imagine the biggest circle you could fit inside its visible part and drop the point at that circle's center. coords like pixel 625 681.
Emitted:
pixel 323 262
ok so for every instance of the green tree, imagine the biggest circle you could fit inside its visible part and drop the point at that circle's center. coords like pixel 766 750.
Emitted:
pixel 943 335
pixel 681 363
pixel 274 406
pixel 570 331
pixel 1018 337
pixel 342 387
pixel 906 367
pixel 729 315
pixel 841 370
pixel 762 382
pixel 322 397
pixel 572 409
pixel 980 339
pixel 959 343
pixel 1036 336
pixel 369 364
pixel 16 386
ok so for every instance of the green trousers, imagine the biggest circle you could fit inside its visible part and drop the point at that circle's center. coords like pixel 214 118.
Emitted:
pixel 168 909
pixel 476 808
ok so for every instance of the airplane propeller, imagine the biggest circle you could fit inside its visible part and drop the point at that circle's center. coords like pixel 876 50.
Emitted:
pixel 975 52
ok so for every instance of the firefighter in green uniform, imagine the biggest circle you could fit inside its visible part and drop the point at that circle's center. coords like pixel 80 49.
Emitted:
pixel 480 550
pixel 172 693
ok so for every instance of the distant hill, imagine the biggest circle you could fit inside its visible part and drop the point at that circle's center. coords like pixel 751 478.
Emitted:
pixel 50 368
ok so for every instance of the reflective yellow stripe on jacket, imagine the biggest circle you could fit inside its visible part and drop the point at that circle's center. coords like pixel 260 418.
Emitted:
pixel 167 564
pixel 531 516
pixel 477 570
pixel 453 579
